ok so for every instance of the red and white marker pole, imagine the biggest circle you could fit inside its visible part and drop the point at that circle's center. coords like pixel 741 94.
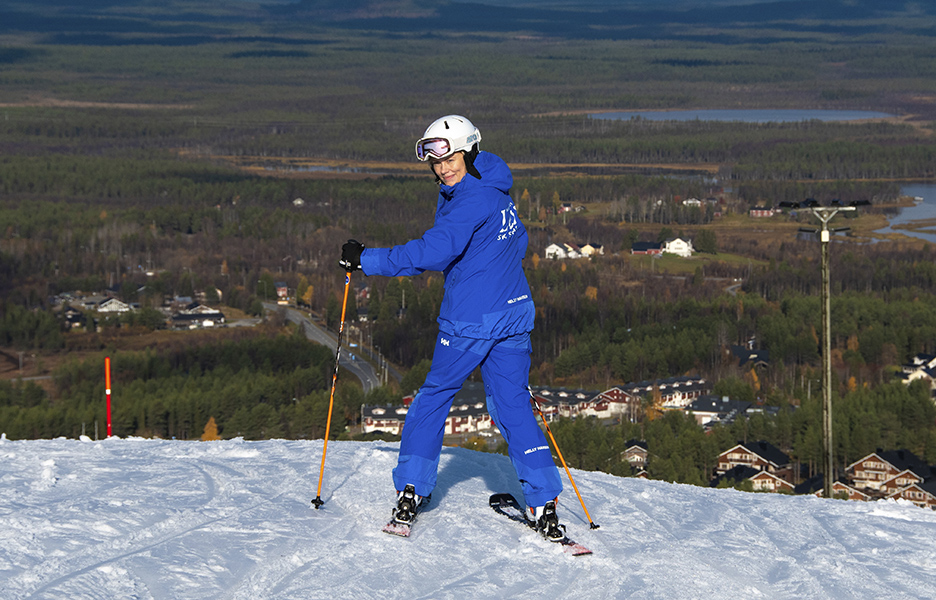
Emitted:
pixel 107 390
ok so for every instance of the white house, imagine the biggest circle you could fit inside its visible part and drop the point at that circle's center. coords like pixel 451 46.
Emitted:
pixel 113 305
pixel 762 211
pixel 554 251
pixel 716 409
pixel 557 251
pixel 922 367
pixel 388 419
pixel 679 247
pixel 199 309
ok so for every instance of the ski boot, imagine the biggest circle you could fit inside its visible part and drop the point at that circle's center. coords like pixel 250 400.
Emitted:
pixel 545 520
pixel 407 506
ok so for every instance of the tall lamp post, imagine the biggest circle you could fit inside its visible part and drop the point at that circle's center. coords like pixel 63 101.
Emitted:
pixel 825 214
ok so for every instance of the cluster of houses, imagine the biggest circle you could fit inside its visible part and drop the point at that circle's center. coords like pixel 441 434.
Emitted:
pixel 791 207
pixel 469 415
pixel 572 251
pixel 677 246
pixel 891 474
pixel 692 394
pixel 181 312
pixel 884 474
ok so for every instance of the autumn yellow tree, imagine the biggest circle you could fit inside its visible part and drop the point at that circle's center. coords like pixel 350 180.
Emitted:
pixel 653 406
pixel 755 380
pixel 302 289
pixel 852 384
pixel 211 431
pixel 526 207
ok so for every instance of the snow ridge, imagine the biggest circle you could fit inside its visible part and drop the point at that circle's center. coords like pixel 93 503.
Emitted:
pixel 153 519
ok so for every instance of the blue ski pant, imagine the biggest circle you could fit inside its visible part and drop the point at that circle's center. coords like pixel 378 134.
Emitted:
pixel 505 368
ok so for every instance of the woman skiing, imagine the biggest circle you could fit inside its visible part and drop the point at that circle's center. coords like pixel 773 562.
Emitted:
pixel 487 313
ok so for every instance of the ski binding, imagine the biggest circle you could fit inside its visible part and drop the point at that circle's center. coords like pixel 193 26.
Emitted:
pixel 507 505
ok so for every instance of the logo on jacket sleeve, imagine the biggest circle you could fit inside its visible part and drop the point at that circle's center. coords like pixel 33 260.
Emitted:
pixel 509 222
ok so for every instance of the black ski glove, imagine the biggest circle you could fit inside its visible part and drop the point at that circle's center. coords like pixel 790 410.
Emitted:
pixel 351 255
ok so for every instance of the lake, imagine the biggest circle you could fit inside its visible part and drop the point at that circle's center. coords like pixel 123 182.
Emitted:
pixel 923 210
pixel 745 116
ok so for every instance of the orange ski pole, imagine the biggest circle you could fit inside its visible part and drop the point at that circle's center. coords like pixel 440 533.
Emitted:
pixel 318 502
pixel 591 524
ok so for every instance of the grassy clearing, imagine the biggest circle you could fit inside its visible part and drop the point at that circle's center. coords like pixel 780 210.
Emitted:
pixel 670 264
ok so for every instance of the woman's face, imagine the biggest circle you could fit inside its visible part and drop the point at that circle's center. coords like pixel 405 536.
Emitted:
pixel 450 170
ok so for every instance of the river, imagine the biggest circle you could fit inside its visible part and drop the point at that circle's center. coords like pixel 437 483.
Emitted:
pixel 924 209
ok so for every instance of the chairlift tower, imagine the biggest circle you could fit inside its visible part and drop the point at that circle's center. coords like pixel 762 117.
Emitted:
pixel 825 214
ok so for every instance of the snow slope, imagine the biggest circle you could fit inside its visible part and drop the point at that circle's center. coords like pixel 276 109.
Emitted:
pixel 134 518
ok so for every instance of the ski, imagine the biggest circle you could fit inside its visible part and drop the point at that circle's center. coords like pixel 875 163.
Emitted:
pixel 394 528
pixel 404 515
pixel 507 505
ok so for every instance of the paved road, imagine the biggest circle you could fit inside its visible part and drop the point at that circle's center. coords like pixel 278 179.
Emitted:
pixel 733 289
pixel 361 369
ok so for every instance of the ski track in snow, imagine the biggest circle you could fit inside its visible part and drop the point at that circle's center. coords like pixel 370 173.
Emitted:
pixel 153 519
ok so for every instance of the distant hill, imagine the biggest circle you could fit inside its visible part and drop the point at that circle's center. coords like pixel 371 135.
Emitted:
pixel 616 4
pixel 720 21
pixel 636 19
pixel 686 11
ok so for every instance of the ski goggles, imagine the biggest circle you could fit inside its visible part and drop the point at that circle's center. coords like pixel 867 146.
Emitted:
pixel 427 148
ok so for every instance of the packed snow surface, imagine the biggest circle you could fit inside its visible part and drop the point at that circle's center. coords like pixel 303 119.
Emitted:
pixel 135 518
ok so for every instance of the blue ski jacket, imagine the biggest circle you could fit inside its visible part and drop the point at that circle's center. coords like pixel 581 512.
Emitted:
pixel 478 243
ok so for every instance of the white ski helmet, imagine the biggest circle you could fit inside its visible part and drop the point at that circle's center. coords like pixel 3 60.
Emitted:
pixel 446 136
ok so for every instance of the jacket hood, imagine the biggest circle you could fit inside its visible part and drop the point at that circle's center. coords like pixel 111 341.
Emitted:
pixel 494 173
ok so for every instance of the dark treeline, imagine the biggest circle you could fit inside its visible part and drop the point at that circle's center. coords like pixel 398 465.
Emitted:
pixel 781 151
pixel 773 192
pixel 259 386
pixel 879 270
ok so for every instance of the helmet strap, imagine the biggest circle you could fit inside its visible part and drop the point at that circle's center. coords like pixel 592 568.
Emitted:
pixel 469 162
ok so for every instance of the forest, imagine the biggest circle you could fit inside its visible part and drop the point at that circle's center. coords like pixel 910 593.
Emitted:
pixel 152 152
pixel 260 386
